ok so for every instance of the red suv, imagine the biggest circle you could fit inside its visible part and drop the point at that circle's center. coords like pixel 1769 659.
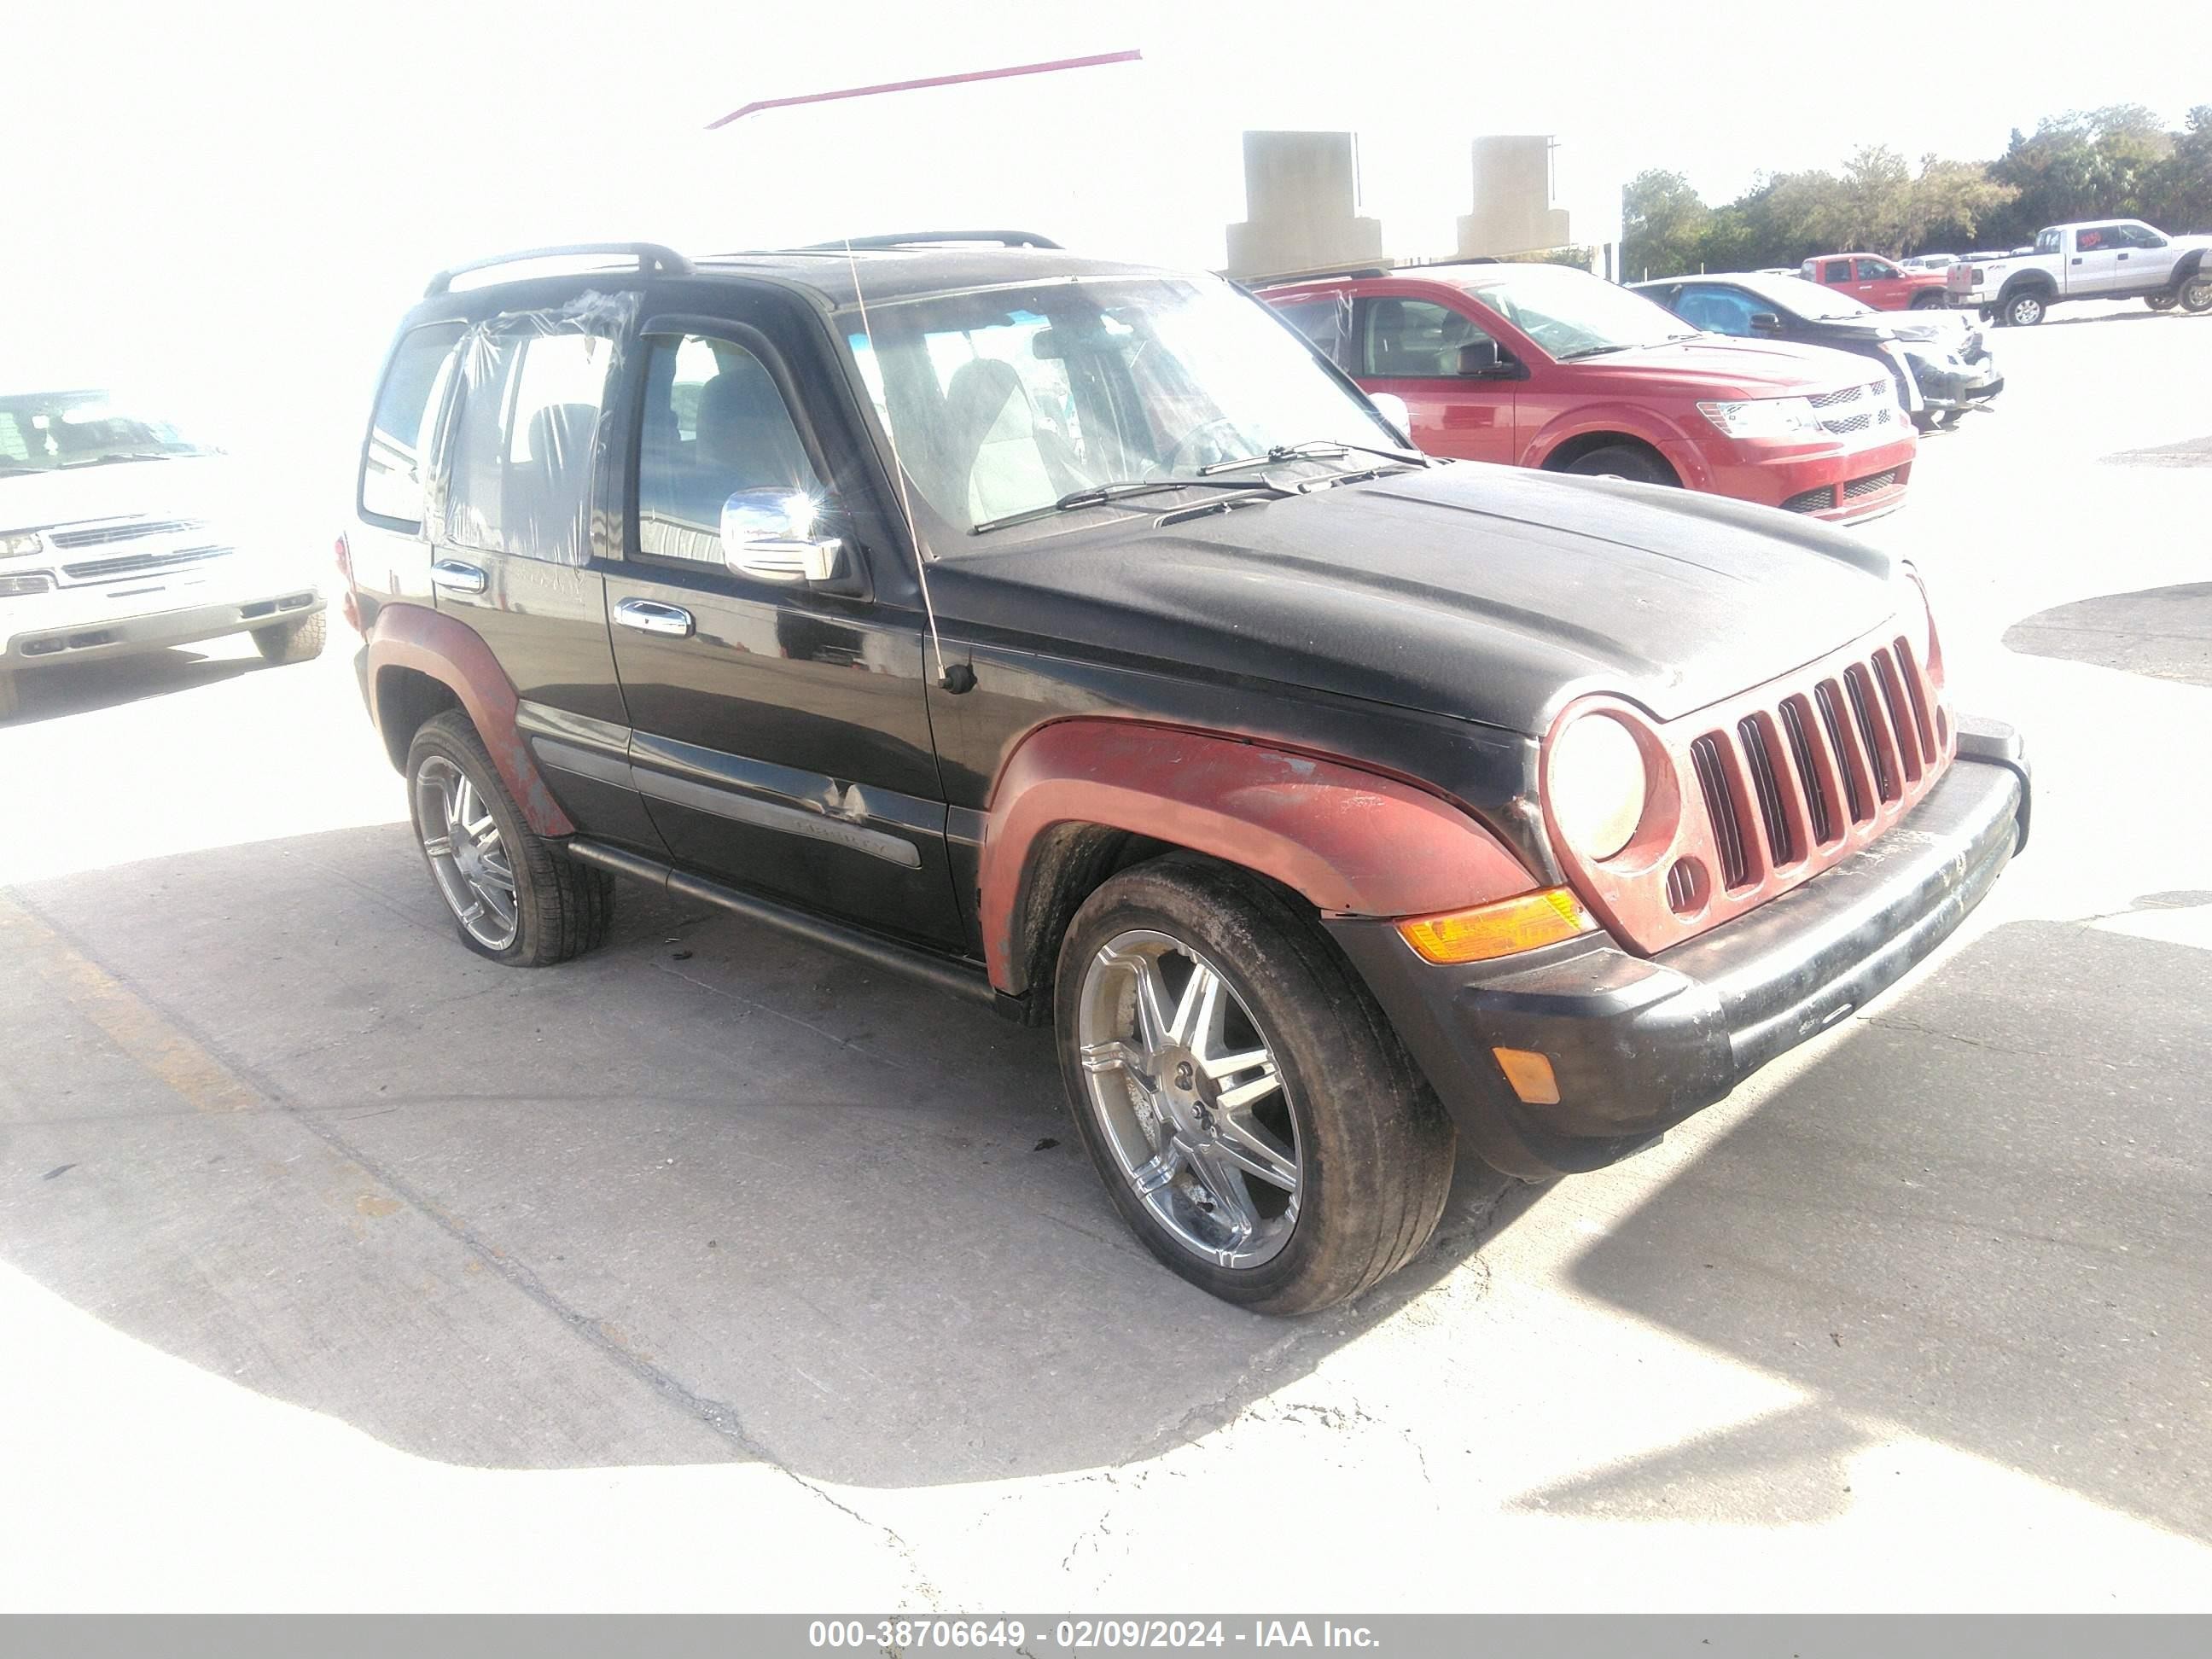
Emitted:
pixel 1882 283
pixel 1548 366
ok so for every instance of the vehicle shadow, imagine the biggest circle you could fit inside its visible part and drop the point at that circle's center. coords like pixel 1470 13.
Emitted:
pixel 1982 1220
pixel 703 1195
pixel 78 688
pixel 2162 632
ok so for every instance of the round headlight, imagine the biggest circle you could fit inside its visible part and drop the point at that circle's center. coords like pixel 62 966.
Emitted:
pixel 1597 784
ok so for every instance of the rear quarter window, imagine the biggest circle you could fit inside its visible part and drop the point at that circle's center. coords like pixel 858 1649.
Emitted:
pixel 406 406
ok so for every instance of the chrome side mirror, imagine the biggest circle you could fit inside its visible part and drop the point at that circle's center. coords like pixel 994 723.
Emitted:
pixel 769 535
pixel 1392 408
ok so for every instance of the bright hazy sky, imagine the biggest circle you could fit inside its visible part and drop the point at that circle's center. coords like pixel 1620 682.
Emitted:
pixel 239 201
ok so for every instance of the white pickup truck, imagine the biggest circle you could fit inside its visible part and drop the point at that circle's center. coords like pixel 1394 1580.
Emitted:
pixel 2096 259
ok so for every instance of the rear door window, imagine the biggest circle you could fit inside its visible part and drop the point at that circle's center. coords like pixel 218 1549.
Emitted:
pixel 524 442
pixel 400 432
pixel 1836 270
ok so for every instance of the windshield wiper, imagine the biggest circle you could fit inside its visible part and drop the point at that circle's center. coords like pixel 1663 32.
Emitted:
pixel 1580 352
pixel 1316 449
pixel 117 461
pixel 1100 494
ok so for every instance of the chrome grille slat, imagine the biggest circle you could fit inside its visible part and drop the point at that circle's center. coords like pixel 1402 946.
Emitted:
pixel 1818 811
pixel 1871 733
pixel 1910 668
pixel 1751 733
pixel 128 531
pixel 1831 716
pixel 1721 811
pixel 1900 726
pixel 139 564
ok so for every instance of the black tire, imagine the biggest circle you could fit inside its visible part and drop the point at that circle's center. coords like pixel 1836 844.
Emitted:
pixel 2161 302
pixel 562 908
pixel 293 642
pixel 2024 308
pixel 2197 294
pixel 1933 300
pixel 1375 1147
pixel 8 702
pixel 1621 461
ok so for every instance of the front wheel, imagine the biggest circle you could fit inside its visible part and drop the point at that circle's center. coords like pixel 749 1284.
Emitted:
pixel 1255 1118
pixel 2197 294
pixel 2024 310
pixel 513 897
pixel 1620 461
pixel 293 642
pixel 1930 301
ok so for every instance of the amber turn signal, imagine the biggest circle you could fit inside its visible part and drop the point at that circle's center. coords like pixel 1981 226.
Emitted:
pixel 1531 1075
pixel 1523 922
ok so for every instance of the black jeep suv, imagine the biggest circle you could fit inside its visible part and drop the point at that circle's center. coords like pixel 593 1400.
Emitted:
pixel 1069 635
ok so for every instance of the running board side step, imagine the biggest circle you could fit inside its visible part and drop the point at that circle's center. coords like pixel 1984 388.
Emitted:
pixel 947 973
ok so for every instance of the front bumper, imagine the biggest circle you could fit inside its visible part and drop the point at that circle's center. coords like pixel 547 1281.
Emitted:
pixel 1639 1043
pixel 91 636
pixel 1841 484
pixel 1942 387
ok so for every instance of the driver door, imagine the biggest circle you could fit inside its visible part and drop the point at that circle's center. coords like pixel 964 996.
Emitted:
pixel 1423 351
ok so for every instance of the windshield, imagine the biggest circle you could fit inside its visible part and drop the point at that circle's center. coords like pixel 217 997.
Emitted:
pixel 1571 313
pixel 45 431
pixel 1004 401
pixel 1806 299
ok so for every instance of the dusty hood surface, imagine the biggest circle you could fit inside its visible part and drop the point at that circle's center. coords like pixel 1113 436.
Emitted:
pixel 1491 593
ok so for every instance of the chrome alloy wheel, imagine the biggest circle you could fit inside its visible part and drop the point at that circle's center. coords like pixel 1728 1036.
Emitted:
pixel 461 839
pixel 1186 1089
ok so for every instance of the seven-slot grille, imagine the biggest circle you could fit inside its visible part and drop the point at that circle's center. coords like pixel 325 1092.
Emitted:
pixel 1802 777
pixel 1769 788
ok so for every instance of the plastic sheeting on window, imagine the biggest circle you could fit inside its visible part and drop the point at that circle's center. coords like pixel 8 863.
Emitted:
pixel 534 388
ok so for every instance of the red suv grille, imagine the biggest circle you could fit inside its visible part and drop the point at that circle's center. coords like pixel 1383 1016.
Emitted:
pixel 1761 793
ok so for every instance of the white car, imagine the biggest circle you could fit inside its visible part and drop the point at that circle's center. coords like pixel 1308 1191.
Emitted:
pixel 119 535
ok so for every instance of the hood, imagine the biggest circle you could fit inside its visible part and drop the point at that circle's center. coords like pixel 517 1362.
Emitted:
pixel 1724 366
pixel 183 486
pixel 1947 327
pixel 1493 595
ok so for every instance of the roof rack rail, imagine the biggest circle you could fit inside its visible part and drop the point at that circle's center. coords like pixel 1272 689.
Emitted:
pixel 1276 278
pixel 913 237
pixel 652 259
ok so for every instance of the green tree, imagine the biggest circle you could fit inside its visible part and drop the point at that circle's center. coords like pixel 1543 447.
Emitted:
pixel 1662 221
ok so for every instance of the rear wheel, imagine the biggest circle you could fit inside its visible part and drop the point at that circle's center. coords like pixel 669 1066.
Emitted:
pixel 293 642
pixel 7 695
pixel 512 896
pixel 1620 461
pixel 1253 1118
pixel 2023 310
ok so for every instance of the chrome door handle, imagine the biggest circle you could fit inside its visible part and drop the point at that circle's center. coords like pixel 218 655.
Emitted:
pixel 458 577
pixel 651 617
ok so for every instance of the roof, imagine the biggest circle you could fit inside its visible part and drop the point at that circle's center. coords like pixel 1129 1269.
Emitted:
pixel 886 274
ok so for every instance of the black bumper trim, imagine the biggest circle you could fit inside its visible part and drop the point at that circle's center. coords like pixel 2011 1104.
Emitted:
pixel 1638 1044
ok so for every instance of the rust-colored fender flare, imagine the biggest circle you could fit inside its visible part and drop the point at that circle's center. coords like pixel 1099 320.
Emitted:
pixel 1353 842
pixel 454 654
